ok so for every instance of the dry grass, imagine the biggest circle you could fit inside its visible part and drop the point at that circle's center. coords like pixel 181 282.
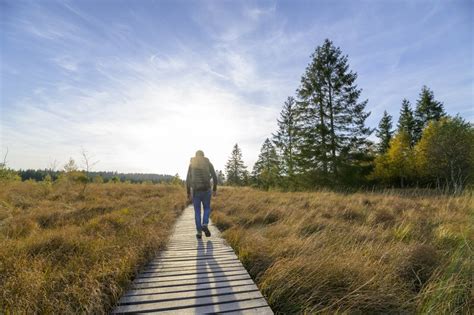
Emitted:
pixel 326 252
pixel 62 253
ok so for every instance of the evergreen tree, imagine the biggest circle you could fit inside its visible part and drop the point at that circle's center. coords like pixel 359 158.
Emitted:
pixel 384 132
pixel 235 168
pixel 286 137
pixel 331 120
pixel 427 109
pixel 266 169
pixel 406 121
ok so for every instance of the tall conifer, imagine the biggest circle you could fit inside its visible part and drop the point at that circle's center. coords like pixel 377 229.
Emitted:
pixel 331 117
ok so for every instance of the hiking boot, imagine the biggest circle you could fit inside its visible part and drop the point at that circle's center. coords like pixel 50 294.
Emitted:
pixel 206 230
pixel 199 235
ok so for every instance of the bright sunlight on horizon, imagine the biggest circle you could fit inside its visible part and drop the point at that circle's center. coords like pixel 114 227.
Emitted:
pixel 142 85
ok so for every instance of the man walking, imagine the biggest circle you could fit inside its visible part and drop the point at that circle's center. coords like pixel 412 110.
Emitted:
pixel 198 187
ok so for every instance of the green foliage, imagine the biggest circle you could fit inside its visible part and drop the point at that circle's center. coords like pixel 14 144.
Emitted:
pixel 236 172
pixel 397 164
pixel 427 109
pixel 266 171
pixel 331 120
pixel 98 179
pixel 115 179
pixel 72 174
pixel 406 121
pixel 7 174
pixel 176 180
pixel 286 136
pixel 384 132
pixel 445 153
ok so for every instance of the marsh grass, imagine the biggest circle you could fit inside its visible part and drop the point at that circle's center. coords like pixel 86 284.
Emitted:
pixel 379 252
pixel 63 252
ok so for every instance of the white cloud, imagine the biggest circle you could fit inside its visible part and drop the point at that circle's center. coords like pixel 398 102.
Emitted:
pixel 150 120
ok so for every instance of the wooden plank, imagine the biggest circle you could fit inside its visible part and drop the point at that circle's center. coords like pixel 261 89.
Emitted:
pixel 197 251
pixel 186 294
pixel 193 267
pixel 192 302
pixel 204 286
pixel 191 263
pixel 189 282
pixel 200 254
pixel 192 276
pixel 254 307
pixel 168 268
pixel 220 258
pixel 188 272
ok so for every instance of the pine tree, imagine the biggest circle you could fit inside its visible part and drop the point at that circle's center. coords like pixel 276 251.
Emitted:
pixel 331 118
pixel 427 109
pixel 266 169
pixel 384 132
pixel 286 137
pixel 406 121
pixel 235 168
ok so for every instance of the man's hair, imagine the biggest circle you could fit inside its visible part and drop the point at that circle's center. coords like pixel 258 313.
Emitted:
pixel 199 153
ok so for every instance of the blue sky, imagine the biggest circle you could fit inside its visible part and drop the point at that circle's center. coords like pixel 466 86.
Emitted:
pixel 141 85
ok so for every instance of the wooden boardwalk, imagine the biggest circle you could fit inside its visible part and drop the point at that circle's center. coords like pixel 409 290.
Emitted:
pixel 194 277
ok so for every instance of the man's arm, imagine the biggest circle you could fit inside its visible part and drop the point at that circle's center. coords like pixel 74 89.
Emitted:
pixel 188 181
pixel 214 177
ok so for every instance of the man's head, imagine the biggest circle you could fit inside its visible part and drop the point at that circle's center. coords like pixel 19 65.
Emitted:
pixel 199 153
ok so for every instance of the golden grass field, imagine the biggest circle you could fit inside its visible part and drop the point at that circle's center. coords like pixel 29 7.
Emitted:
pixel 320 252
pixel 325 252
pixel 64 253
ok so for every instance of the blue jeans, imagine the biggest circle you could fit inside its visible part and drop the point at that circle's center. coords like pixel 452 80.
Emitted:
pixel 203 197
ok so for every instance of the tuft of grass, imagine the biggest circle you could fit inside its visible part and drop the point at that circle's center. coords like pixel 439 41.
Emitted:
pixel 377 253
pixel 66 253
pixel 417 265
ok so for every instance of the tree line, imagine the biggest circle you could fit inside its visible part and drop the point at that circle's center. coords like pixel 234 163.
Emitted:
pixel 70 169
pixel 322 138
pixel 97 176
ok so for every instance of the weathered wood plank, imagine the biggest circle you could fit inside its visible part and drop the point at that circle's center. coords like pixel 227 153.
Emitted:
pixel 206 266
pixel 187 303
pixel 176 273
pixel 193 276
pixel 186 294
pixel 205 286
pixel 227 257
pixel 190 282
pixel 245 307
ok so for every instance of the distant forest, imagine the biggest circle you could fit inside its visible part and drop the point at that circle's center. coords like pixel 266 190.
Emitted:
pixel 40 175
